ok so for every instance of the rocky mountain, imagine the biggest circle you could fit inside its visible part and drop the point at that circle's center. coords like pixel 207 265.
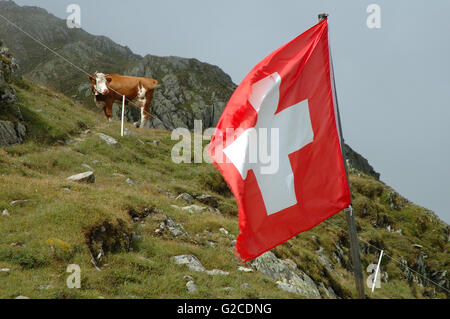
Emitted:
pixel 191 89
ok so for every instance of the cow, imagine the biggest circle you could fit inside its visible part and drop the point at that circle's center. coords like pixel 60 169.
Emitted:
pixel 110 88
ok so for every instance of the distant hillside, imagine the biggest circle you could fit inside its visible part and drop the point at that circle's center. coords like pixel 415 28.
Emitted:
pixel 191 89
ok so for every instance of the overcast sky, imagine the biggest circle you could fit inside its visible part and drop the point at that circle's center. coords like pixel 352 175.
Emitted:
pixel 393 83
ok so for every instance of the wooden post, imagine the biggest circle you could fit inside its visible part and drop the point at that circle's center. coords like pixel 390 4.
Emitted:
pixel 354 246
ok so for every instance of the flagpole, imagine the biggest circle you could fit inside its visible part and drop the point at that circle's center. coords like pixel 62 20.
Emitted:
pixel 354 246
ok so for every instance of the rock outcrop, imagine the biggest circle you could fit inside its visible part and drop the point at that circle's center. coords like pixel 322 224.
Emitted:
pixel 286 275
pixel 11 132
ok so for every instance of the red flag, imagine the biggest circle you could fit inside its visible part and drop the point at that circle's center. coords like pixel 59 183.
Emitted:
pixel 283 162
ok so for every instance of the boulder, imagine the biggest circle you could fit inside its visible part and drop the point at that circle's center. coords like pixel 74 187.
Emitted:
pixel 86 177
pixel 285 276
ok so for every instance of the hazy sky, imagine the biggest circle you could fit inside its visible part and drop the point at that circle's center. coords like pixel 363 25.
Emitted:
pixel 393 83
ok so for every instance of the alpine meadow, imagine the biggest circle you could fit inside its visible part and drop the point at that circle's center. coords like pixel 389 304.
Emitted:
pixel 139 225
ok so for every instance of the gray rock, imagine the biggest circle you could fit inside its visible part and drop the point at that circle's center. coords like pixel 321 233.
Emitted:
pixel 208 200
pixel 130 182
pixel 8 134
pixel 224 231
pixel 186 197
pixel 245 286
pixel 169 225
pixel 86 177
pixel 5 270
pixel 327 292
pixel 244 269
pixel 5 212
pixel 21 130
pixel 190 261
pixel 22 297
pixel 191 287
pixel 18 202
pixel 193 209
pixel 108 139
pixel 216 272
pixel 324 260
pixel 287 278
pixel 417 246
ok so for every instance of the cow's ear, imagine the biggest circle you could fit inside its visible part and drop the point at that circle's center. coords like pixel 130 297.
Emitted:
pixel 91 79
pixel 108 79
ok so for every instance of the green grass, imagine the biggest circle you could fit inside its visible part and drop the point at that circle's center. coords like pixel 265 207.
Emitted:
pixel 57 222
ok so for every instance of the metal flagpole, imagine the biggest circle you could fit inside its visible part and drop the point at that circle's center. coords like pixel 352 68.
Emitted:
pixel 354 246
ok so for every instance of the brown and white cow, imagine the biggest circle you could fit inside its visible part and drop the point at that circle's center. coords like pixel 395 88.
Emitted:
pixel 110 88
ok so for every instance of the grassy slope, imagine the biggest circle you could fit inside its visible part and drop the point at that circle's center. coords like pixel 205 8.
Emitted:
pixel 54 223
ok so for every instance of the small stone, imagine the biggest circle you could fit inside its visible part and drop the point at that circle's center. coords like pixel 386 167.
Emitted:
pixel 5 213
pixel 186 197
pixel 130 182
pixel 86 177
pixel 18 202
pixel 5 270
pixel 118 175
pixel 193 208
pixel 156 143
pixel 244 269
pixel 245 286
pixel 224 231
pixel 45 287
pixel 108 139
pixel 22 297
pixel 190 261
pixel 191 287
pixel 215 272
pixel 417 246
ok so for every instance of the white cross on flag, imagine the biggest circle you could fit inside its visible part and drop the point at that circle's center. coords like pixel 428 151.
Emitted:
pixel 277 145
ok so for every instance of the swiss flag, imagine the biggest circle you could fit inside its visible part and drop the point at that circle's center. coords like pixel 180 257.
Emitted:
pixel 283 106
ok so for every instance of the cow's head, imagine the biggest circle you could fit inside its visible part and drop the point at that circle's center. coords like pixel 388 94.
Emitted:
pixel 100 83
